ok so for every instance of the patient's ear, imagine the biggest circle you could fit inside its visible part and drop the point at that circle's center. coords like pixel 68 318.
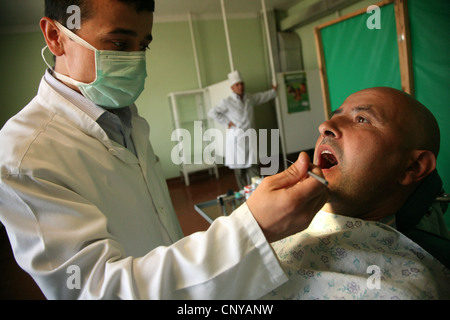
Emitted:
pixel 422 163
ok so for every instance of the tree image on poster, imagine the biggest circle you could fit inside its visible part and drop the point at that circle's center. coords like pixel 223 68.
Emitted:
pixel 296 92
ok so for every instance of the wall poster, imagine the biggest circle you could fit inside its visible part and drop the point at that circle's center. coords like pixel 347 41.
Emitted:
pixel 296 92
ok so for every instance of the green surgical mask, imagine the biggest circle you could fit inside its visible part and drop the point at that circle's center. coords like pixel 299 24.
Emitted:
pixel 120 76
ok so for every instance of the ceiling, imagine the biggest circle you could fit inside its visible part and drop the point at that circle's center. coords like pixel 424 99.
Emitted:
pixel 168 7
pixel 24 15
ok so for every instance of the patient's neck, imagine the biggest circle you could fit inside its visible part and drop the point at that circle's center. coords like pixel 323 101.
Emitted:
pixel 376 213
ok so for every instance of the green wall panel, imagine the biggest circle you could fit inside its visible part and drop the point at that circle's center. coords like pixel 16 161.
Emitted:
pixel 357 57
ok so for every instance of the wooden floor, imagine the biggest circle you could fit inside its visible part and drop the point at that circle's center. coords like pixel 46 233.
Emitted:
pixel 203 187
pixel 16 284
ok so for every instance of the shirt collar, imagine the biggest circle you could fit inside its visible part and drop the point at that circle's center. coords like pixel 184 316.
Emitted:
pixel 91 109
pixel 236 96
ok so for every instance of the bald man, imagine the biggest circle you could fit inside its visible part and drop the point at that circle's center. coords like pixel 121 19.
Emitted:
pixel 374 151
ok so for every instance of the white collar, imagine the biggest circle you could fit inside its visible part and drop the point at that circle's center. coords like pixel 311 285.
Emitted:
pixel 237 97
pixel 87 106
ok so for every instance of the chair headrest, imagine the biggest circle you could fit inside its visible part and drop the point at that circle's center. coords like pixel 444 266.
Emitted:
pixel 419 202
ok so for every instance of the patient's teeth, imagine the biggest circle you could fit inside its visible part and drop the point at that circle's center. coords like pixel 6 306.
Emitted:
pixel 328 160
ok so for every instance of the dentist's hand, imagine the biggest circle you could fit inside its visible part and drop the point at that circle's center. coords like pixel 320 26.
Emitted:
pixel 286 203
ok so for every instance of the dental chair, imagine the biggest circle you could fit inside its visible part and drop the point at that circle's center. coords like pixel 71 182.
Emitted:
pixel 428 197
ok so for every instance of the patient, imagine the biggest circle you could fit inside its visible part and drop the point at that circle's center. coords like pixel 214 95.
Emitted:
pixel 374 151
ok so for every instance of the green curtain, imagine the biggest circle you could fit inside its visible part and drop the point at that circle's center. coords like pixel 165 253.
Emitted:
pixel 357 57
pixel 430 45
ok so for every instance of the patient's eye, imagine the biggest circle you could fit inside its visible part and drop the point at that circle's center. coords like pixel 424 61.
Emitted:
pixel 360 119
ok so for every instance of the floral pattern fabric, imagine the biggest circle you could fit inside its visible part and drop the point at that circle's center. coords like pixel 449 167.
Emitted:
pixel 340 257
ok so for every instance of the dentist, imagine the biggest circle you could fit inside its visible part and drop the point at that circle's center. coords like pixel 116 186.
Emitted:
pixel 82 194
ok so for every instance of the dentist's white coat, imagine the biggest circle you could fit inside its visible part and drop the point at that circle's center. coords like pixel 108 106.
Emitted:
pixel 69 196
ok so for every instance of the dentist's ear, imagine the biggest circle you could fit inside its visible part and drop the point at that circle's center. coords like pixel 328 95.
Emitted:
pixel 422 164
pixel 52 36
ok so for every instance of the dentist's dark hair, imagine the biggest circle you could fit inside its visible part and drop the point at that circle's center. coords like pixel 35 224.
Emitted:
pixel 57 9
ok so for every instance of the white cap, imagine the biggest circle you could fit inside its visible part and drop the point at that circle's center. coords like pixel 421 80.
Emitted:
pixel 234 77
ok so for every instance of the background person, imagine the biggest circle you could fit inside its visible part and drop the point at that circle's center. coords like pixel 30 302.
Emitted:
pixel 236 112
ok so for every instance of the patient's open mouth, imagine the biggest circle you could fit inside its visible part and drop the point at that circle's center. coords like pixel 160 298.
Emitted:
pixel 327 160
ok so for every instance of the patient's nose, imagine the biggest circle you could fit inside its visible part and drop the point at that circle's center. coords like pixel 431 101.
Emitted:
pixel 330 129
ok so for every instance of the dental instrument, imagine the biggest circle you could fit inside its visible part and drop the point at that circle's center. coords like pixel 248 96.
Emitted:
pixel 315 176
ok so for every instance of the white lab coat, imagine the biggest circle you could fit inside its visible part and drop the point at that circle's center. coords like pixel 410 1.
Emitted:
pixel 239 153
pixel 87 219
